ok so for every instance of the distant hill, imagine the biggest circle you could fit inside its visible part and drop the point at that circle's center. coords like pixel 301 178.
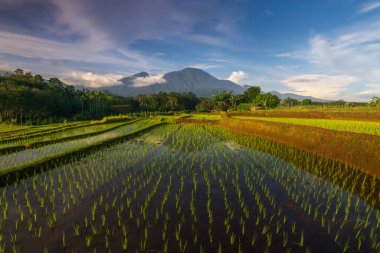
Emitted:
pixel 282 96
pixel 187 80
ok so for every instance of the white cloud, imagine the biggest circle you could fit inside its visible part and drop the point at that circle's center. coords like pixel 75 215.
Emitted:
pixel 373 92
pixel 34 47
pixel 372 89
pixel 237 76
pixel 206 39
pixel 204 66
pixel 370 6
pixel 319 85
pixel 268 12
pixel 7 68
pixel 149 80
pixel 354 51
pixel 92 80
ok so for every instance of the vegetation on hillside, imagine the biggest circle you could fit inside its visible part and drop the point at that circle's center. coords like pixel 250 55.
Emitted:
pixel 30 99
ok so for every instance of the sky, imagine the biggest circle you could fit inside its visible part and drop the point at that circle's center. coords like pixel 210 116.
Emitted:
pixel 323 48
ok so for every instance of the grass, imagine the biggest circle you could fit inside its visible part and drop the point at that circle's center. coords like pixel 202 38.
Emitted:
pixel 4 128
pixel 205 116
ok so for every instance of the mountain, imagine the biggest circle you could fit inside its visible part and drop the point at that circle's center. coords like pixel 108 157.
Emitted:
pixel 186 80
pixel 282 96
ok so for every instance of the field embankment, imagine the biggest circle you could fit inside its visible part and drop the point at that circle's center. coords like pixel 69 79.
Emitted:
pixel 30 160
pixel 84 131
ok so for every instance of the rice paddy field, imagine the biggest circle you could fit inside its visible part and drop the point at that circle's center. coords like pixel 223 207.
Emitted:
pixel 338 125
pixel 153 185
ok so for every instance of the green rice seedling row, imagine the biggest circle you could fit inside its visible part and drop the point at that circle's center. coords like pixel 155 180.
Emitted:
pixel 48 138
pixel 19 160
pixel 39 131
pixel 187 188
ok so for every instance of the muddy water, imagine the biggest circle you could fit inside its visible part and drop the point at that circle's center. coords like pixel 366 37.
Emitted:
pixel 244 200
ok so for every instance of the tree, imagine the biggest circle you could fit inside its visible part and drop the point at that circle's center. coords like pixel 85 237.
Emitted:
pixel 250 94
pixel 38 79
pixel 19 72
pixel 375 101
pixel 290 102
pixel 306 102
pixel 24 97
pixel 222 101
pixel 267 100
pixel 205 105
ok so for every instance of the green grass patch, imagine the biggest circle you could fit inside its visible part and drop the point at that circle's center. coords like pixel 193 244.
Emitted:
pixel 338 125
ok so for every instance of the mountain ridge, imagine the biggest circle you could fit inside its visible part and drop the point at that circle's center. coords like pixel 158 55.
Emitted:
pixel 283 96
pixel 186 80
pixel 193 80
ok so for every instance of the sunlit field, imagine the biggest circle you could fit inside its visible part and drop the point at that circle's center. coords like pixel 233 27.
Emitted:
pixel 357 126
pixel 151 185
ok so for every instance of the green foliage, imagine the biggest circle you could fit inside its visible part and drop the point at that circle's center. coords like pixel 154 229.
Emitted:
pixel 375 102
pixel 339 103
pixel 245 106
pixel 290 102
pixel 172 101
pixel 205 105
pixel 224 101
pixel 26 98
pixel 267 100
pixel 306 102
pixel 250 94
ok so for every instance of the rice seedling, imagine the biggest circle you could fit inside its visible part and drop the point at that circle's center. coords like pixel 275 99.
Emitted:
pixel 189 188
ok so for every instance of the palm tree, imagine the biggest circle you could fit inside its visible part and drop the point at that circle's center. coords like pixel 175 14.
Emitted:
pixel 375 101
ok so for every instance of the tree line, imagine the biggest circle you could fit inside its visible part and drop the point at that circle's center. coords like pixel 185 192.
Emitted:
pixel 30 99
pixel 25 98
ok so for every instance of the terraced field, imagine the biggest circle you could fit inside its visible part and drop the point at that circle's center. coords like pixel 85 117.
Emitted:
pixel 184 188
pixel 338 125
pixel 69 133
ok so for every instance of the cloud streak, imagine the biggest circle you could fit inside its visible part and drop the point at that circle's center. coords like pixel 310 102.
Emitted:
pixel 354 51
pixel 94 34
pixel 51 50
pixel 319 85
pixel 370 6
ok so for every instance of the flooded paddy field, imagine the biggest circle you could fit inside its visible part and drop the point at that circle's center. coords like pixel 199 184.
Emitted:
pixel 190 188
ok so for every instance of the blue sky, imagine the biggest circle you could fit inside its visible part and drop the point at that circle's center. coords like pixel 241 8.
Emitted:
pixel 323 48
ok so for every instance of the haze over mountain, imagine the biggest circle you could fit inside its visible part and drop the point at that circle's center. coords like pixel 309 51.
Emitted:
pixel 187 80
pixel 283 96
